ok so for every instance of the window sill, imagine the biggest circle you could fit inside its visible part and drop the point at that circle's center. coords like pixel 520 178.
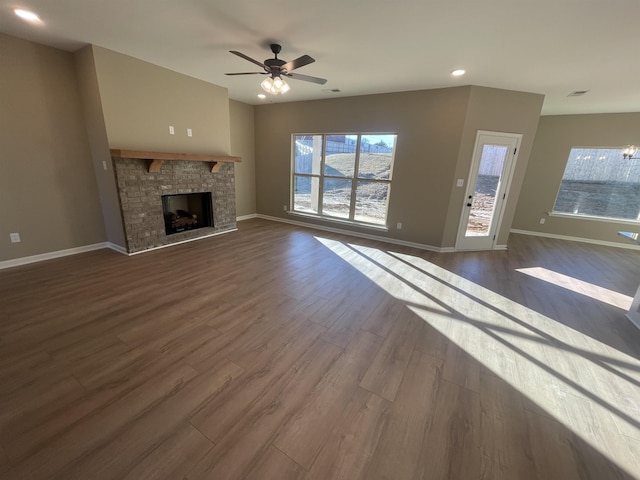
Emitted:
pixel 594 218
pixel 378 228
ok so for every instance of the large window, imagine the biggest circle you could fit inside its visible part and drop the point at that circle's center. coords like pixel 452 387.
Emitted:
pixel 599 182
pixel 344 177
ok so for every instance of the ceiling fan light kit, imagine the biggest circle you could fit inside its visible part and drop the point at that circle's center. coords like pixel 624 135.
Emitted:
pixel 276 68
pixel 275 85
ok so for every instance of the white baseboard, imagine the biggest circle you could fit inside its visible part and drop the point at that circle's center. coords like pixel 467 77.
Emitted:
pixel 246 217
pixel 576 239
pixel 368 236
pixel 96 246
pixel 51 255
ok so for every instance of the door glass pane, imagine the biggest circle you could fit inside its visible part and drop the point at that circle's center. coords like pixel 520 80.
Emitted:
pixel 371 202
pixel 376 156
pixel 484 196
pixel 306 193
pixel 336 197
pixel 308 153
pixel 340 159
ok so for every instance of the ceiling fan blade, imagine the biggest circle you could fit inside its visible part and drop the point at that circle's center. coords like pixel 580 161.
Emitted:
pixel 297 63
pixel 307 78
pixel 242 55
pixel 247 73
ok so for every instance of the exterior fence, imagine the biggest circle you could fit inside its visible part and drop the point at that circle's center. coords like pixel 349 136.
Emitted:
pixel 601 165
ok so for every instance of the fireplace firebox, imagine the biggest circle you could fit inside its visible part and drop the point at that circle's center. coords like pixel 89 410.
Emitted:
pixel 187 211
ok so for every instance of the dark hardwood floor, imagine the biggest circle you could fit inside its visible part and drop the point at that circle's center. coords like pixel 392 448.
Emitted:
pixel 278 352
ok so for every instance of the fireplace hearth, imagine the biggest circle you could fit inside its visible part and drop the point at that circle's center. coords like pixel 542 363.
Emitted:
pixel 184 212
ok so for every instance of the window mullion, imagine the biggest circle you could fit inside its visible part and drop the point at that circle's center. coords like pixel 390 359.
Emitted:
pixel 354 180
pixel 321 179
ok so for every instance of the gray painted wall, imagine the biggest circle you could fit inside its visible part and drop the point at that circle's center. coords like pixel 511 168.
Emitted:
pixel 47 186
pixel 241 118
pixel 436 134
pixel 556 135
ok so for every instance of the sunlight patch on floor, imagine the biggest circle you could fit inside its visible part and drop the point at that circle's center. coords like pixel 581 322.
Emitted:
pixel 579 286
pixel 584 384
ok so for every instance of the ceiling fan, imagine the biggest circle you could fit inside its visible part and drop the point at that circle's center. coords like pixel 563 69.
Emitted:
pixel 276 68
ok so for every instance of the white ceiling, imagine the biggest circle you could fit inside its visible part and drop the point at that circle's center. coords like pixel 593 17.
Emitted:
pixel 550 47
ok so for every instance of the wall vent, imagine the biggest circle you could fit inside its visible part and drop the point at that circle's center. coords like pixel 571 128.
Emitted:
pixel 577 93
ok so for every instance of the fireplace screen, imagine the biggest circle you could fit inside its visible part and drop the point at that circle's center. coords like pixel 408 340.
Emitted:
pixel 186 212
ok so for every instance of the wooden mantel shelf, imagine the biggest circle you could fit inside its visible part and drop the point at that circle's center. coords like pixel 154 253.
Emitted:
pixel 156 159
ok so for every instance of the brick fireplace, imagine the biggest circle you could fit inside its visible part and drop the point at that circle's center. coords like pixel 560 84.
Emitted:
pixel 142 186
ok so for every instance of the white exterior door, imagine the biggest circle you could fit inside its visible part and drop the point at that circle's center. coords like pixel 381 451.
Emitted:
pixel 490 175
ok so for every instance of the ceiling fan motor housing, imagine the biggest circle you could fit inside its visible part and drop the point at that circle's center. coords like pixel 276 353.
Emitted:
pixel 274 63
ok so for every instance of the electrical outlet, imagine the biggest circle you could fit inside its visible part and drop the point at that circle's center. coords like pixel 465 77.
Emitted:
pixel 104 164
pixel 460 182
pixel 399 225
pixel 542 220
pixel 189 132
pixel 284 207
pixel 15 237
pixel 172 131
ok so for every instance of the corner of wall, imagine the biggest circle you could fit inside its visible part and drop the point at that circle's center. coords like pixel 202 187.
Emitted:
pixel 99 144
pixel 242 138
pixel 496 110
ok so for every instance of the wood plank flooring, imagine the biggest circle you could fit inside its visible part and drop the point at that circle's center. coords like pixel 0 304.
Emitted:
pixel 277 352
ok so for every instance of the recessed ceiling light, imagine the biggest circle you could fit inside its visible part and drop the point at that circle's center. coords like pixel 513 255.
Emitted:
pixel 457 73
pixel 262 95
pixel 26 15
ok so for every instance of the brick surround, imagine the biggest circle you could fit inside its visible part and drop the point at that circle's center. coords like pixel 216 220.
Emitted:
pixel 139 193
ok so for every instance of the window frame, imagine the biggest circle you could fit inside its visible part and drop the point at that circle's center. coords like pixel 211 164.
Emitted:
pixel 355 179
pixel 592 217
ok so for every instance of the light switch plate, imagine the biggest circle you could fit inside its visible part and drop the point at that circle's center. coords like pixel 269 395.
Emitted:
pixel 15 237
